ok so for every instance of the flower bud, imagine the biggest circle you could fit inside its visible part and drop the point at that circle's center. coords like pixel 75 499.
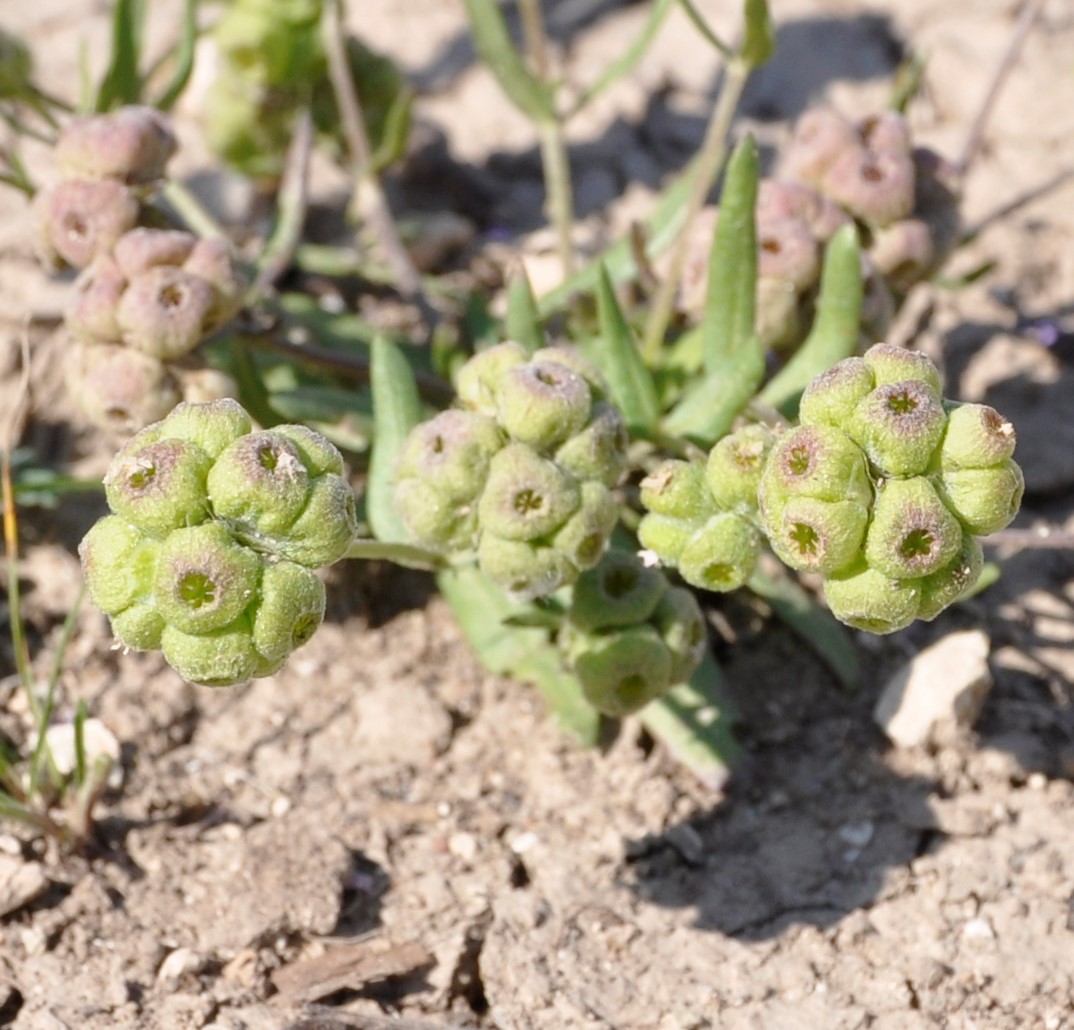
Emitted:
pixel 985 500
pixel 478 381
pixel 204 385
pixel 92 313
pixel 831 398
pixel 886 131
pixel 572 358
pixel 899 426
pixel 811 535
pixel 721 555
pixel 526 496
pixel 912 533
pixel 735 464
pixel 319 454
pixel 205 579
pixel 322 533
pixel 132 145
pixel 163 312
pixel 977 436
pixel 779 321
pixel 903 253
pixel 782 198
pixel 677 488
pixel 891 364
pixel 82 218
pixel 787 250
pixel 821 135
pixel 212 425
pixel 119 388
pixel 258 485
pixel 624 670
pixel 220 658
pixel 681 625
pixel 451 453
pixel 599 449
pixel 946 586
pixel 877 187
pixel 432 521
pixel 159 486
pixel 213 260
pixel 542 403
pixel 666 536
pixel 290 610
pixel 119 563
pixel 863 597
pixel 141 249
pixel 525 570
pixel 583 537
pixel 139 627
pixel 620 591
pixel 814 461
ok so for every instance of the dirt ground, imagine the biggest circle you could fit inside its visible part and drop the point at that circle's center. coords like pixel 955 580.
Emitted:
pixel 385 836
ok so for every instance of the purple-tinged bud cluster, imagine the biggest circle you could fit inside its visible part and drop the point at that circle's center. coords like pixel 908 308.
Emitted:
pixel 215 532
pixel 629 635
pixel 521 473
pixel 701 518
pixel 146 297
pixel 882 489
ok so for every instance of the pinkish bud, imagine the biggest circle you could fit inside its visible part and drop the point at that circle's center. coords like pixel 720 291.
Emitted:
pixel 163 312
pixel 876 187
pixel 142 249
pixel 92 313
pixel 131 145
pixel 82 218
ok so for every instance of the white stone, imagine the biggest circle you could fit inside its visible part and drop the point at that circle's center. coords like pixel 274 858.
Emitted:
pixel 941 688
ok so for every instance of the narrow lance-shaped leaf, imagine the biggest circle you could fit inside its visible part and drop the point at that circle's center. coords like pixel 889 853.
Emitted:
pixel 489 620
pixel 501 57
pixel 396 130
pixel 122 82
pixel 629 380
pixel 523 322
pixel 731 295
pixel 759 38
pixel 836 326
pixel 397 409
pixel 184 58
pixel 693 721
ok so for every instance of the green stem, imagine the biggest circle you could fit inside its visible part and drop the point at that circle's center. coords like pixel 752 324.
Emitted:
pixel 191 210
pixel 385 550
pixel 710 159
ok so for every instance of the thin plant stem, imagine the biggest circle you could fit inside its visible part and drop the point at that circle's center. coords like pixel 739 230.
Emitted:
pixel 1020 539
pixel 191 210
pixel 710 159
pixel 367 185
pixel 555 161
pixel 1031 10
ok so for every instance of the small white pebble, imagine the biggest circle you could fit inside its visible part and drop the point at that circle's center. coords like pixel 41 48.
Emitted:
pixel 979 929
pixel 525 842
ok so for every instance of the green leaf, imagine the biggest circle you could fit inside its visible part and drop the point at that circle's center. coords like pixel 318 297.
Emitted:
pixel 836 325
pixel 629 381
pixel 499 54
pixel 526 653
pixel 395 132
pixel 631 56
pixel 817 627
pixel 731 295
pixel 759 38
pixel 693 721
pixel 397 409
pixel 707 410
pixel 184 58
pixel 122 82
pixel 523 322
pixel 336 330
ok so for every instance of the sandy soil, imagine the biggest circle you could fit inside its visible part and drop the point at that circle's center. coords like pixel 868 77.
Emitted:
pixel 383 835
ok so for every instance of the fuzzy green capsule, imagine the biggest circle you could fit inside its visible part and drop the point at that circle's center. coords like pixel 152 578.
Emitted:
pixel 666 536
pixel 542 403
pixel 525 570
pixel 899 426
pixel 985 500
pixel 813 461
pixel 584 536
pixel 620 591
pixel 891 364
pixel 679 621
pixel 220 658
pixel 159 486
pixel 211 425
pixel 977 436
pixel 432 521
pixel 722 554
pixel 322 533
pixel 831 398
pixel 599 449
pixel 944 587
pixel 451 453
pixel 866 599
pixel 139 627
pixel 478 381
pixel 735 465
pixel 812 535
pixel 290 609
pixel 319 454
pixel 678 489
pixel 526 496
pixel 205 579
pixel 623 670
pixel 119 563
pixel 912 533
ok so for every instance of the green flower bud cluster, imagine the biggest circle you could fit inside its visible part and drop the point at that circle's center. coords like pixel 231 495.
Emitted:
pixel 521 473
pixel 272 67
pixel 903 198
pixel 629 635
pixel 214 534
pixel 882 489
pixel 146 297
pixel 702 518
